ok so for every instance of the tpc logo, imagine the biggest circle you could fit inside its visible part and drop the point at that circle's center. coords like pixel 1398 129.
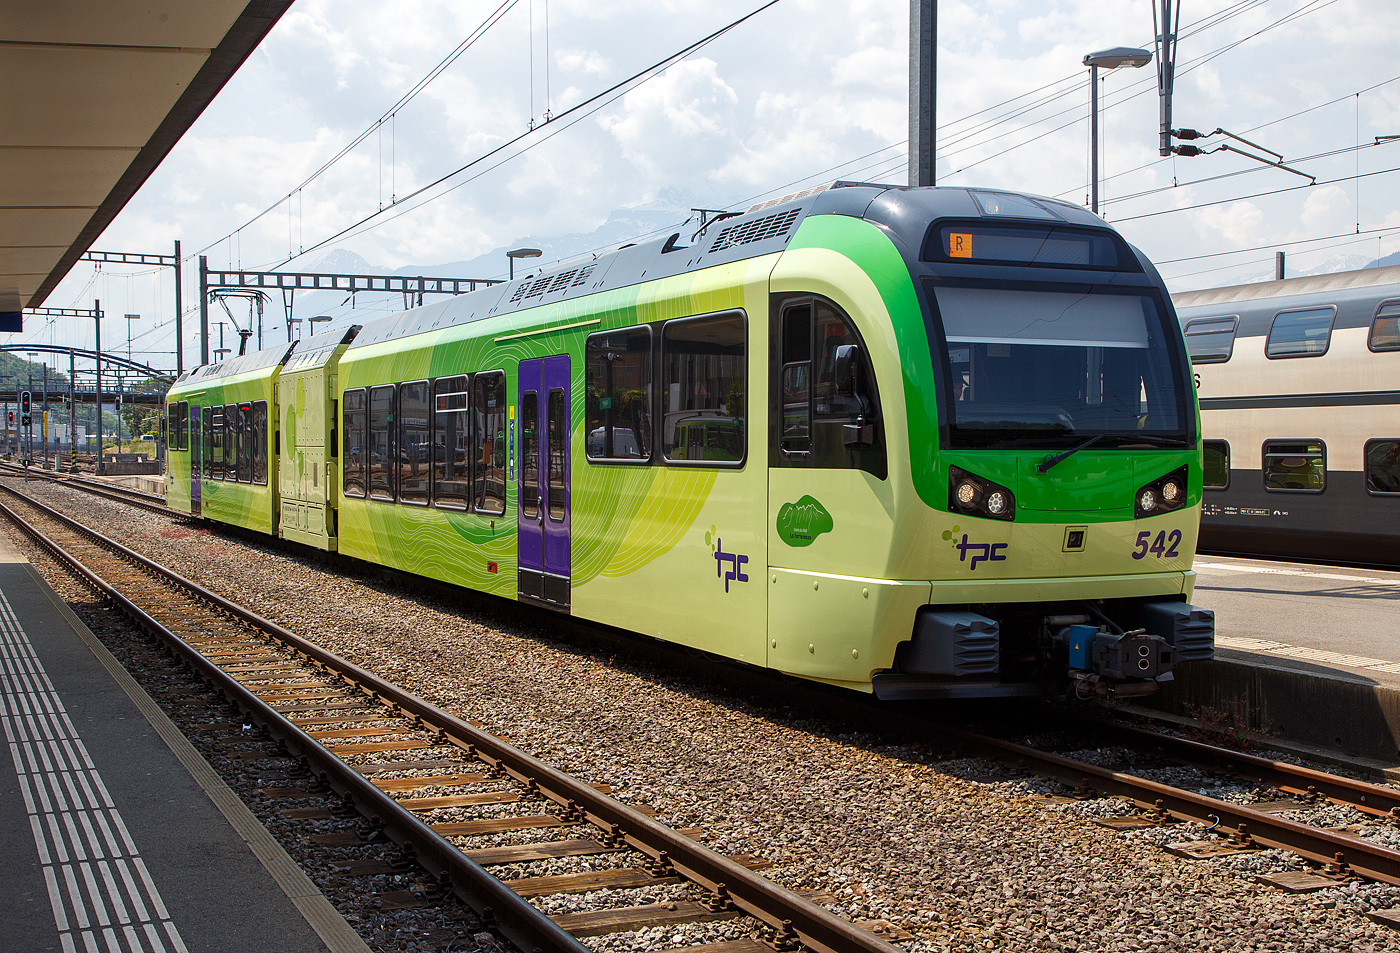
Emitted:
pixel 981 552
pixel 736 562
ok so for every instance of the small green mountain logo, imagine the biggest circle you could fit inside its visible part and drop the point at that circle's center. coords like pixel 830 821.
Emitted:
pixel 800 523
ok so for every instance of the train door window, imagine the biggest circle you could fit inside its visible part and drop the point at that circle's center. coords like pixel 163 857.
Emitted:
pixel 1385 327
pixel 1295 466
pixel 353 464
pixel 1302 333
pixel 1211 340
pixel 705 401
pixel 381 443
pixel 617 389
pixel 451 443
pixel 796 437
pixel 1383 467
pixel 259 437
pixel 1216 454
pixel 414 443
pixel 213 441
pixel 558 426
pixel 530 454
pixel 828 394
pixel 489 413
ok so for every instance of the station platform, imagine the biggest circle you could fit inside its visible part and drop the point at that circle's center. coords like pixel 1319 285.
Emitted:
pixel 1306 654
pixel 115 834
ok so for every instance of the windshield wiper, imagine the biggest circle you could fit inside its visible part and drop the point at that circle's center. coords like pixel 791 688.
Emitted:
pixel 1045 465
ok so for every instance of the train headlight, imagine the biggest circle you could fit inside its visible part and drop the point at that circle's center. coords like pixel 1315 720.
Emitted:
pixel 976 496
pixel 1162 495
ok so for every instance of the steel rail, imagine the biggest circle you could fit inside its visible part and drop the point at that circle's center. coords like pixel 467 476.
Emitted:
pixel 790 918
pixel 499 907
pixel 1247 826
pixel 1374 799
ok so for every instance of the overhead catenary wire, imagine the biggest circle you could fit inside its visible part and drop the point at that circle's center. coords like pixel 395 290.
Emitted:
pixel 491 20
pixel 554 126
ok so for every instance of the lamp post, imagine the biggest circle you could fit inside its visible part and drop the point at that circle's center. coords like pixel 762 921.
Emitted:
pixel 515 253
pixel 319 319
pixel 1108 59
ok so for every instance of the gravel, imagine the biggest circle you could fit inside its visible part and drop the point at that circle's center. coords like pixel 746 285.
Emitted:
pixel 962 854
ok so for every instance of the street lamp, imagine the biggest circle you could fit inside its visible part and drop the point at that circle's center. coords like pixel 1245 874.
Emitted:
pixel 1108 59
pixel 515 253
pixel 319 319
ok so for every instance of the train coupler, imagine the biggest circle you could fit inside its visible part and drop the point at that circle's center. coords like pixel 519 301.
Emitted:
pixel 1121 664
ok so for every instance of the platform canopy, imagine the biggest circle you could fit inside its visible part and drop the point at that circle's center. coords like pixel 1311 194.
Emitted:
pixel 93 95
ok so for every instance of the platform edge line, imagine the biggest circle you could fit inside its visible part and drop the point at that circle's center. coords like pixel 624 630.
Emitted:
pixel 319 913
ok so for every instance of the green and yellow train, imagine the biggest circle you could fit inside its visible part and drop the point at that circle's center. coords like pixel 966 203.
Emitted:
pixel 920 442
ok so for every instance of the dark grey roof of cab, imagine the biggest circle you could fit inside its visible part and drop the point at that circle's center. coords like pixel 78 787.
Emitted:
pixel 904 211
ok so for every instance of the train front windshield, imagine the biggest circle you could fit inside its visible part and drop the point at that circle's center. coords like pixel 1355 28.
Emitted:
pixel 1044 369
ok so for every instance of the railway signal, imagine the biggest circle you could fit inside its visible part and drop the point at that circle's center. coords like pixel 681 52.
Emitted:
pixel 24 405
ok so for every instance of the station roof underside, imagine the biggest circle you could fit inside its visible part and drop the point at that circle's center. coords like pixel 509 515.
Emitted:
pixel 97 93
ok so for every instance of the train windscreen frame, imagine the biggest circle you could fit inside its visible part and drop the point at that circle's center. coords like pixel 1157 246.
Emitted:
pixel 1031 366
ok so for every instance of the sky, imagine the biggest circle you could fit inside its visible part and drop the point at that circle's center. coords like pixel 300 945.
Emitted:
pixel 801 93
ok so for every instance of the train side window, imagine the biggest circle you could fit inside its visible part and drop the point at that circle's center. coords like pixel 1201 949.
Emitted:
pixel 415 439
pixel 1302 333
pixel 489 416
pixel 231 442
pixel 452 443
pixel 617 391
pixel 1385 327
pixel 1383 467
pixel 247 443
pixel 179 412
pixel 214 442
pixel 705 399
pixel 258 428
pixel 1295 466
pixel 1211 340
pixel 1216 467
pixel 530 454
pixel 381 443
pixel 353 465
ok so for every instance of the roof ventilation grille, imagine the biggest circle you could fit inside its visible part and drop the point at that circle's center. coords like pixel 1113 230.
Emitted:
pixel 755 230
pixel 583 274
pixel 562 280
pixel 531 289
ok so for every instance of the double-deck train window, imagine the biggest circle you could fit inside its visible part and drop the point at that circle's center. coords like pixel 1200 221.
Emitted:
pixel 1295 466
pixel 617 396
pixel 823 398
pixel 178 425
pixel 414 450
pixel 451 443
pixel 1216 464
pixel 1302 333
pixel 381 443
pixel 1211 340
pixel 355 457
pixel 489 411
pixel 705 396
pixel 1383 467
pixel 1385 327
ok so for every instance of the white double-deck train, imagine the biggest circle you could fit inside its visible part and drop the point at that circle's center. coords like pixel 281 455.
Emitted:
pixel 1299 384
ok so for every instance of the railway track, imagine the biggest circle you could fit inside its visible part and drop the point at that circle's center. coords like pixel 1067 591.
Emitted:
pixel 1337 854
pixel 411 771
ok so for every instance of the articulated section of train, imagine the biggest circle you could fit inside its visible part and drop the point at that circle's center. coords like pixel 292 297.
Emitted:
pixel 921 442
